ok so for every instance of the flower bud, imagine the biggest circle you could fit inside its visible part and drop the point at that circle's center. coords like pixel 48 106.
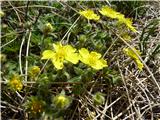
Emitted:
pixel 47 28
pixel 61 101
pixel 1 13
pixel 35 105
pixel 34 71
pixel 2 57
pixel 98 98
pixel 82 38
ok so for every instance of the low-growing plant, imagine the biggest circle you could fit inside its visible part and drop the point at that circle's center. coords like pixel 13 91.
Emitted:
pixel 73 60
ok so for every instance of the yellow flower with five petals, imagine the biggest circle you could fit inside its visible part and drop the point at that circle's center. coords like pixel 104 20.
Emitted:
pixel 92 59
pixel 60 54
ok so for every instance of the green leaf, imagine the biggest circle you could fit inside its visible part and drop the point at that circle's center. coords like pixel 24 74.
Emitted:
pixel 75 79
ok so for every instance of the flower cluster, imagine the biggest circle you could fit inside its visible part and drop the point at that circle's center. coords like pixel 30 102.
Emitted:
pixel 61 53
pixel 109 12
pixel 129 52
pixel 15 83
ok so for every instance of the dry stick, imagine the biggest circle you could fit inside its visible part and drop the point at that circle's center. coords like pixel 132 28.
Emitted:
pixel 109 48
pixel 70 29
pixel 111 108
pixel 15 12
pixel 108 2
pixel 34 82
pixel 27 51
pixel 147 68
pixel 139 82
pixel 11 33
pixel 124 82
pixel 30 6
pixel 20 53
pixel 149 102
pixel 14 108
pixel 42 69
pixel 96 108
pixel 68 6
pixel 128 117
pixel 39 6
pixel 108 106
pixel 8 42
pixel 158 104
pixel 19 95
pixel 120 114
pixel 74 111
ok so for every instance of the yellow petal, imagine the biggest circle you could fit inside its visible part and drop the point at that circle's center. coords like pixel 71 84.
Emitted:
pixel 128 22
pixel 129 52
pixel 58 46
pixel 58 63
pixel 109 12
pixel 72 57
pixel 84 52
pixel 83 55
pixel 89 14
pixel 99 64
pixel 95 55
pixel 139 64
pixel 48 54
pixel 103 63
pixel 69 48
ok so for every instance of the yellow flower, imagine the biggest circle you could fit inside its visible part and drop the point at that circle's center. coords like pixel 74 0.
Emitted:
pixel 128 22
pixel 92 59
pixel 109 12
pixel 129 52
pixel 60 54
pixel 15 83
pixel 89 14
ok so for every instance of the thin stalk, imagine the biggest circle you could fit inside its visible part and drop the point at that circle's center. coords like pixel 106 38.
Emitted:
pixel 27 52
pixel 20 53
